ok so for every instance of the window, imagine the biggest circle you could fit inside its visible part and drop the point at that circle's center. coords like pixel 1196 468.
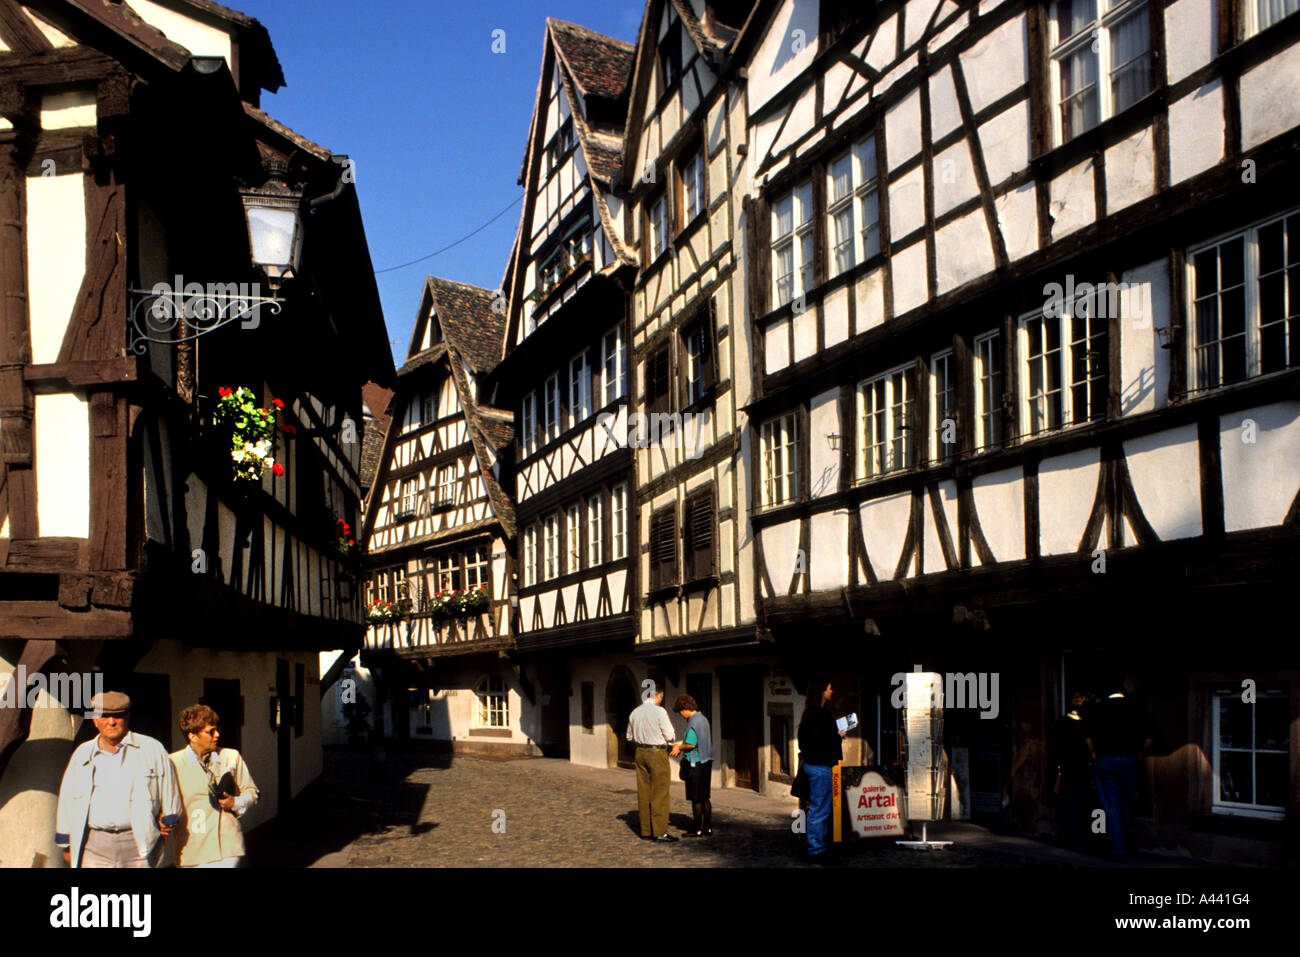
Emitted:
pixel 530 555
pixel 670 59
pixel 1262 14
pixel 551 547
pixel 691 174
pixel 618 524
pixel 988 391
pixel 853 207
pixel 663 548
pixel 885 411
pixel 579 389
pixel 562 143
pixel 658 381
pixel 430 408
pixel 697 350
pixel 381 587
pixel 573 538
pixel 493 702
pixel 658 226
pixel 1252 752
pixel 1245 294
pixel 551 409
pixel 595 530
pixel 792 244
pixel 449 573
pixel 613 366
pixel 1101 64
pixel 406 503
pixel 528 423
pixel 780 445
pixel 698 538
pixel 447 486
pixel 781 729
pixel 476 567
pixel 1065 367
pixel 943 407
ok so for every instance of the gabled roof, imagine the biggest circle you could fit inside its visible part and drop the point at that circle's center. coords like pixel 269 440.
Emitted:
pixel 600 65
pixel 469 324
pixel 254 38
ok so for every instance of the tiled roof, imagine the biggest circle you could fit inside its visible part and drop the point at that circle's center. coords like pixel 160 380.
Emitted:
pixel 600 64
pixel 468 322
pixel 297 139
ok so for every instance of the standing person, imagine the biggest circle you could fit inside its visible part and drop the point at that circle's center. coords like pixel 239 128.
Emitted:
pixel 651 730
pixel 208 774
pixel 697 743
pixel 821 747
pixel 1070 764
pixel 118 800
pixel 1117 738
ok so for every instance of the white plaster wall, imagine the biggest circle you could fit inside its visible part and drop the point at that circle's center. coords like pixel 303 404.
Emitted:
pixel 916 19
pixel 1192 31
pixel 945 116
pixel 869 293
pixel 824 463
pixel 835 316
pixel 954 178
pixel 62 426
pixel 903 131
pixel 963 251
pixel 1130 170
pixel 781 551
pixel 1260 478
pixel 58 39
pixel 1270 98
pixel 68 109
pixel 1067 486
pixel 995 65
pixel 999 500
pixel 884 44
pixel 56 257
pixel 1005 141
pixel 1196 131
pixel 1017 212
pixel 884 528
pixel 907 203
pixel 909 273
pixel 933 555
pixel 777 62
pixel 199 38
pixel 1073 204
pixel 805 334
pixel 776 346
pixel 1166 474
pixel 829 563
pixel 1144 365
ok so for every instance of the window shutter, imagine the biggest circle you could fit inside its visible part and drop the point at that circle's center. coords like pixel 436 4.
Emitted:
pixel 657 381
pixel 663 549
pixel 708 367
pixel 699 550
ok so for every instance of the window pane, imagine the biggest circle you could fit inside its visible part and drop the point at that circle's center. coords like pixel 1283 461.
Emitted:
pixel 784 210
pixel 1271 11
pixel 1235 777
pixel 1204 266
pixel 841 174
pixel 1130 59
pixel 869 214
pixel 1270 247
pixel 1272 716
pixel 1271 785
pixel 1073 15
pixel 803 197
pixel 842 239
pixel 1234 723
pixel 1079 105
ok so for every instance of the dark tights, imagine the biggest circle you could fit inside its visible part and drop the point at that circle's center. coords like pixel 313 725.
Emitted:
pixel 703 811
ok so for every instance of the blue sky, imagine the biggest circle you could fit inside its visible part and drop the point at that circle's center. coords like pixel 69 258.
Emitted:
pixel 434 120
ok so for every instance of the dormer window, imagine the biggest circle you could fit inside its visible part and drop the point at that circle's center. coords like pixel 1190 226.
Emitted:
pixel 670 60
pixel 567 255
pixel 562 143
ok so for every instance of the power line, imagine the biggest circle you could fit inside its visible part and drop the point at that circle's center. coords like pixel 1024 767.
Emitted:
pixel 457 242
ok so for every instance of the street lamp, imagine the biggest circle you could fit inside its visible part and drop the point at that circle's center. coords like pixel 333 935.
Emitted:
pixel 274 231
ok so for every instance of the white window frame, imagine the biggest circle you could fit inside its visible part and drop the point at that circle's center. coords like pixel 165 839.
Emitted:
pixel 579 388
pixel 988 407
pixel 528 420
pixel 798 240
pixel 406 497
pixel 696 335
pixel 943 369
pixel 447 485
pixel 1254 23
pixel 618 522
pixel 595 530
pixel 860 196
pixel 551 408
pixel 692 178
pixel 493 700
pixel 477 569
pixel 1251 278
pixel 530 556
pixel 657 223
pixel 1034 415
pixel 885 443
pixel 573 538
pixel 429 413
pixel 551 546
pixel 449 575
pixel 1269 811
pixel 1096 34
pixel 613 373
pixel 779 441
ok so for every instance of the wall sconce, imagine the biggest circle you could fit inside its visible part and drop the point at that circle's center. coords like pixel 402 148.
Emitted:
pixel 1166 336
pixel 514 596
pixel 346 586
pixel 833 440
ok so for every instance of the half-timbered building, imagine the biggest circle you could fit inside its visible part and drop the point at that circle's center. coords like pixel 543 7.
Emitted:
pixel 439 527
pixel 129 546
pixel 1021 280
pixel 564 373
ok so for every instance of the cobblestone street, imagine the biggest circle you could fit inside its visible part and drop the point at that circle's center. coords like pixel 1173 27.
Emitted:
pixel 422 810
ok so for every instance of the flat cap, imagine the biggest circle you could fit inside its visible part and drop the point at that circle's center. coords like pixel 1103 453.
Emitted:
pixel 109 704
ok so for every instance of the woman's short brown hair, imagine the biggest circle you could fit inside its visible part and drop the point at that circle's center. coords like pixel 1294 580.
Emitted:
pixel 197 717
pixel 685 702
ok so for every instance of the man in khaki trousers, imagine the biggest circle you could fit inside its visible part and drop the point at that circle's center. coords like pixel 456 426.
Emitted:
pixel 651 730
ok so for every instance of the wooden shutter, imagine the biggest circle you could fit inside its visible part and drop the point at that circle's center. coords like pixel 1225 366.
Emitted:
pixel 663 548
pixel 698 536
pixel 657 381
pixel 708 365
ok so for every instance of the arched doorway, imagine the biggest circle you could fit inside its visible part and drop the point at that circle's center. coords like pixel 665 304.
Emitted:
pixel 620 699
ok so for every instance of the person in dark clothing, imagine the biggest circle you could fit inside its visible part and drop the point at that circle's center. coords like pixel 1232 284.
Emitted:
pixel 1117 734
pixel 820 749
pixel 1070 767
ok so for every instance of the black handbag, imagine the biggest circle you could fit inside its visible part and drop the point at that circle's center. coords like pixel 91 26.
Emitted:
pixel 683 769
pixel 799 787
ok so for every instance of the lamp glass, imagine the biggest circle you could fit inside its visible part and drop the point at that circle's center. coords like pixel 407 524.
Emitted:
pixel 273 236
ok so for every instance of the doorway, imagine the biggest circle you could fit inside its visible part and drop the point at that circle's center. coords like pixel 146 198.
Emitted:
pixel 741 702
pixel 620 700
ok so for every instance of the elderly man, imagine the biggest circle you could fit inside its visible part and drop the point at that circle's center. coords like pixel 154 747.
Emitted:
pixel 217 790
pixel 119 799
pixel 651 730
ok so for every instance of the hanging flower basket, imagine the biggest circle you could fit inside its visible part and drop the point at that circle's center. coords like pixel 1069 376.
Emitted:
pixel 472 600
pixel 345 540
pixel 252 432
pixel 382 611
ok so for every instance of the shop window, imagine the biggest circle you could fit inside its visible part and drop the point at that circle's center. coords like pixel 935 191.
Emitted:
pixel 780 732
pixel 493 702
pixel 1252 753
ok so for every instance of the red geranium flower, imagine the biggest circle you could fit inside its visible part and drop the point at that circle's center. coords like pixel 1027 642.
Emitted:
pixel 277 403
pixel 223 391
pixel 278 469
pixel 351 542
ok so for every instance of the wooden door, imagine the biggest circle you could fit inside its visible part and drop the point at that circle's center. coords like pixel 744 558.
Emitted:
pixel 621 702
pixel 742 722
